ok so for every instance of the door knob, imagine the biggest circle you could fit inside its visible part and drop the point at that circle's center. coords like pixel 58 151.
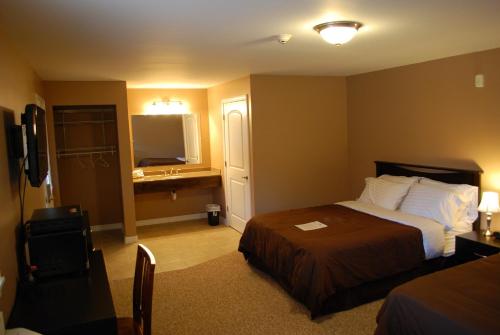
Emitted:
pixel 245 177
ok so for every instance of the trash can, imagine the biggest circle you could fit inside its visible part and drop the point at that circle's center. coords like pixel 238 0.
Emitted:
pixel 213 211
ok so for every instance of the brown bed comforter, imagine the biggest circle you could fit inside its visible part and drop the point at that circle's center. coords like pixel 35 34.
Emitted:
pixel 461 300
pixel 355 248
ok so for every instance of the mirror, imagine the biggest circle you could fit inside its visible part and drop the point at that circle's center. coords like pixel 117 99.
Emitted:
pixel 165 140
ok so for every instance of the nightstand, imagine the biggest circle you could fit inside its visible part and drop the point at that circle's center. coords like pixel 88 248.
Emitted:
pixel 473 245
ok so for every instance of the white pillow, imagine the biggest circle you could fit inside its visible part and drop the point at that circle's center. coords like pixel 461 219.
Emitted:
pixel 383 193
pixel 468 194
pixel 433 203
pixel 399 179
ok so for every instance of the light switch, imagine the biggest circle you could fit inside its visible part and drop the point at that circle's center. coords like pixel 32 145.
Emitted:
pixel 479 80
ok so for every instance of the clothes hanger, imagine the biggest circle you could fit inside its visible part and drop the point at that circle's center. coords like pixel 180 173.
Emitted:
pixel 92 159
pixel 102 161
pixel 80 162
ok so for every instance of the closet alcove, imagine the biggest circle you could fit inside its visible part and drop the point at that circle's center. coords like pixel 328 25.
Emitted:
pixel 88 161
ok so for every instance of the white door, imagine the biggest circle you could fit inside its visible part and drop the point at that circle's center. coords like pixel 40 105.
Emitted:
pixel 191 138
pixel 237 162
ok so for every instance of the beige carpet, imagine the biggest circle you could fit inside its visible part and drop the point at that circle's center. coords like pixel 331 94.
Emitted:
pixel 227 296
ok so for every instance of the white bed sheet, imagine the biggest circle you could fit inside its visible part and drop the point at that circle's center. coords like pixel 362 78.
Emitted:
pixel 449 240
pixel 432 232
pixel 449 243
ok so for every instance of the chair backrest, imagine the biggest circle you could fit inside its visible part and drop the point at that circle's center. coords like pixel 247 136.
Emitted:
pixel 143 290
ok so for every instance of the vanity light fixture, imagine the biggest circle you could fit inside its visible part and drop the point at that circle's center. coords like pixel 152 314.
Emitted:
pixel 169 107
pixel 338 32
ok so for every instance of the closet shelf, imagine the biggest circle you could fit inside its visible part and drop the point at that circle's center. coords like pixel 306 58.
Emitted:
pixel 110 149
pixel 84 110
pixel 69 123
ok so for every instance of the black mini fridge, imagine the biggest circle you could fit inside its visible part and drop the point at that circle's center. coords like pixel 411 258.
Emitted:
pixel 58 242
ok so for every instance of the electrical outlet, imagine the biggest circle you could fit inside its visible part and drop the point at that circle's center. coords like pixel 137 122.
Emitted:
pixel 2 282
pixel 2 324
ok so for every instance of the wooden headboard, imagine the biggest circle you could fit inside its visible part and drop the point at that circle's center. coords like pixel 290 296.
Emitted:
pixel 444 174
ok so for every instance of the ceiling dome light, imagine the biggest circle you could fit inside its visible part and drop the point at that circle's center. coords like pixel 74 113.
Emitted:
pixel 338 32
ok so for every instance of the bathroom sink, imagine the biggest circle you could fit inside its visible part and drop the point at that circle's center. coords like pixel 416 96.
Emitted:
pixel 167 183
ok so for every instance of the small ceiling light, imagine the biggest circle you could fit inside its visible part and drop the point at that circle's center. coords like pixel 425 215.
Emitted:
pixel 338 32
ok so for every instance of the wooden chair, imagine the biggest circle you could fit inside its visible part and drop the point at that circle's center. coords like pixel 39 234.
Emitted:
pixel 140 324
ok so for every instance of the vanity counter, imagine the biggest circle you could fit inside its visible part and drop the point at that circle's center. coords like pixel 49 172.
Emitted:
pixel 189 179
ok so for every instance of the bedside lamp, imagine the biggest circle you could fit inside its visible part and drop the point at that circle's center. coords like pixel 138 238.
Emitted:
pixel 489 205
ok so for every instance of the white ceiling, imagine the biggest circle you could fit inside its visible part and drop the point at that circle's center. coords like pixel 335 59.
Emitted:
pixel 199 43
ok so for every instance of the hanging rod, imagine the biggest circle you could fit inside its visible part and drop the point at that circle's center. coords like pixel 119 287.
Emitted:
pixel 67 123
pixel 92 148
pixel 84 110
pixel 87 153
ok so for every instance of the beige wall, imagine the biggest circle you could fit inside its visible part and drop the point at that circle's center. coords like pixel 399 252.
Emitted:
pixel 236 88
pixel 18 85
pixel 428 113
pixel 97 93
pixel 299 138
pixel 160 205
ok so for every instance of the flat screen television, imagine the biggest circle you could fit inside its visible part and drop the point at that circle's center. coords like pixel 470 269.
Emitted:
pixel 35 140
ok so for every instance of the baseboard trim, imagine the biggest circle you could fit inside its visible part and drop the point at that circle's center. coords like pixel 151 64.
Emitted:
pixel 130 239
pixel 155 221
pixel 103 227
pixel 169 219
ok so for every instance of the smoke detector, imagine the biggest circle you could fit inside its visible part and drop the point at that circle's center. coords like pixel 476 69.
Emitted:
pixel 284 38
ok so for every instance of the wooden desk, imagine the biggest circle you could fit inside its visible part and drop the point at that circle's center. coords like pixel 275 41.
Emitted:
pixel 77 305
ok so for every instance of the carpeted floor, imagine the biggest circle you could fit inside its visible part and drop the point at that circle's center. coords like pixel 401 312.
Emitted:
pixel 227 296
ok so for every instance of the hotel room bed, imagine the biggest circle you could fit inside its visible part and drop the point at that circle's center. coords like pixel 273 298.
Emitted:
pixel 461 300
pixel 360 256
pixel 313 265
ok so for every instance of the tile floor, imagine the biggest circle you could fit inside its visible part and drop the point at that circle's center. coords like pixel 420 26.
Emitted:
pixel 175 245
